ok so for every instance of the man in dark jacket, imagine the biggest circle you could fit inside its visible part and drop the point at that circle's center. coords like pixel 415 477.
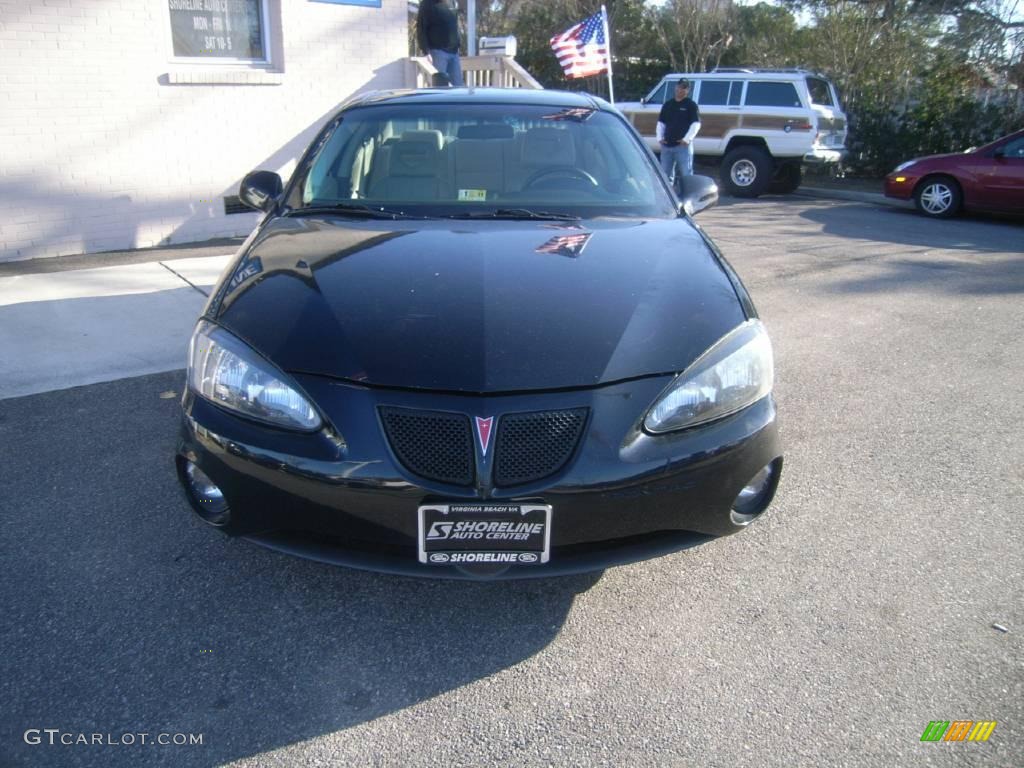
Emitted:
pixel 437 30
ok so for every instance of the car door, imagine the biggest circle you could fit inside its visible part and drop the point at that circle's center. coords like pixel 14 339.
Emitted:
pixel 775 110
pixel 831 119
pixel 1002 180
pixel 719 103
pixel 644 115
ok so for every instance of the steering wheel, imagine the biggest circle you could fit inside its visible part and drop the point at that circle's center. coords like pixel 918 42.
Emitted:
pixel 564 171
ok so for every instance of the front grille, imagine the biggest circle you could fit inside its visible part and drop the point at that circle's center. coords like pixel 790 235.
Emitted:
pixel 532 446
pixel 432 444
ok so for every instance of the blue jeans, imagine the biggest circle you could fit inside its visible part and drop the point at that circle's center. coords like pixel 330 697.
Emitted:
pixel 681 156
pixel 447 64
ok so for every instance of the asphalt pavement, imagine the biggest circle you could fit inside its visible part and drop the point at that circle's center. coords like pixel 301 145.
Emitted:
pixel 871 599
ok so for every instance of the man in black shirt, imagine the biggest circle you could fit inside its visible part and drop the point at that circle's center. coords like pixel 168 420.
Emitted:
pixel 678 124
pixel 437 29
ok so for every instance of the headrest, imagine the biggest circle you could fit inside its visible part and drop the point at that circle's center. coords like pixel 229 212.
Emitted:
pixel 414 157
pixel 542 146
pixel 434 137
pixel 486 131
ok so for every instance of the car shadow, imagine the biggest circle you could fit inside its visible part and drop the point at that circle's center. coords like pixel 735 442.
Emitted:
pixel 992 234
pixel 124 615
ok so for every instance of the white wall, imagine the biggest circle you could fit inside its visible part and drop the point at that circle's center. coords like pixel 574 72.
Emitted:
pixel 102 147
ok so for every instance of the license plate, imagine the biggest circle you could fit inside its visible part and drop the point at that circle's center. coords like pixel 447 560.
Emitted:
pixel 464 534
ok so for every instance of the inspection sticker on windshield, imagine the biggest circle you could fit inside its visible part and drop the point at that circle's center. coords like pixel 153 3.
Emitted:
pixel 463 534
pixel 473 195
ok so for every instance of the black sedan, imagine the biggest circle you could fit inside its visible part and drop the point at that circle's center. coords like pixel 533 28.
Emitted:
pixel 476 335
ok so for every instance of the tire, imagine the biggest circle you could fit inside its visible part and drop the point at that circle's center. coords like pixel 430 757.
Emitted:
pixel 787 179
pixel 938 197
pixel 747 172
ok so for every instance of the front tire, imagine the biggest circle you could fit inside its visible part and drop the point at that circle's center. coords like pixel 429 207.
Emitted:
pixel 938 197
pixel 746 172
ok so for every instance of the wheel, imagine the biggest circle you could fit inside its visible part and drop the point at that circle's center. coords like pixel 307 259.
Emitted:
pixel 560 171
pixel 787 179
pixel 746 172
pixel 938 197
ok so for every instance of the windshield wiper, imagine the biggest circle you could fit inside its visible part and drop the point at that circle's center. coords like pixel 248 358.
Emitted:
pixel 514 213
pixel 352 209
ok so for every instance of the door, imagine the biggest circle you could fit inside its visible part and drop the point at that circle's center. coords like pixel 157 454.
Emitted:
pixel 1003 179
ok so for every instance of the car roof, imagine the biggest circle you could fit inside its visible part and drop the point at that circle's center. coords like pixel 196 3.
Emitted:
pixel 739 74
pixel 544 98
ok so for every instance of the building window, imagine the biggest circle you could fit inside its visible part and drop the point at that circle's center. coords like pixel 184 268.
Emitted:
pixel 220 31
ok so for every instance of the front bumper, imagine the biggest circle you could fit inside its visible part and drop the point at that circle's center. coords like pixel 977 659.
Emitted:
pixel 900 186
pixel 340 495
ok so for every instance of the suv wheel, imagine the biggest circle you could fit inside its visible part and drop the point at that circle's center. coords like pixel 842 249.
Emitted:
pixel 938 197
pixel 787 179
pixel 746 172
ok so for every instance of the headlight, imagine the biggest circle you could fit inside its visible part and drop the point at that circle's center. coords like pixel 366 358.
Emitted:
pixel 734 373
pixel 228 372
pixel 904 166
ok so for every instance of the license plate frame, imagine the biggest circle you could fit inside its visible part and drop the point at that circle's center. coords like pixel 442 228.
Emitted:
pixel 514 538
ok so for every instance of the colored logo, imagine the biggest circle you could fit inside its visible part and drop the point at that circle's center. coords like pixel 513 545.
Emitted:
pixel 958 730
pixel 483 432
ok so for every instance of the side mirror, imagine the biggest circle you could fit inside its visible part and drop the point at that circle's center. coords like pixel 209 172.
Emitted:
pixel 999 154
pixel 643 101
pixel 697 193
pixel 260 189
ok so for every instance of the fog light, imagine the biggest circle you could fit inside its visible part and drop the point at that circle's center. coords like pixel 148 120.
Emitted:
pixel 207 498
pixel 757 494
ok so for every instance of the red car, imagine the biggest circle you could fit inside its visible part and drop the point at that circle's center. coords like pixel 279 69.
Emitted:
pixel 989 178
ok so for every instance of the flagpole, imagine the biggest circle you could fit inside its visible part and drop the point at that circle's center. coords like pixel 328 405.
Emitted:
pixel 608 42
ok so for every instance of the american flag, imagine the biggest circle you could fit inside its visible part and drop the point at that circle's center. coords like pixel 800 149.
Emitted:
pixel 583 50
pixel 566 245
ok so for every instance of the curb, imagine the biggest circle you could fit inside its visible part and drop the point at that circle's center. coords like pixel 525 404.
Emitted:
pixel 874 198
pixel 47 264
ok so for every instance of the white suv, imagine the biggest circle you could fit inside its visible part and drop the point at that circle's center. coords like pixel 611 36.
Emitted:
pixel 763 124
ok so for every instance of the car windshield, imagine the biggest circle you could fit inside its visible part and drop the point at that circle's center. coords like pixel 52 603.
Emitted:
pixel 480 160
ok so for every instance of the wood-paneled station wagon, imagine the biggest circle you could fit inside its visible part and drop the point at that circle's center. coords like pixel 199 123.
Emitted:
pixel 763 125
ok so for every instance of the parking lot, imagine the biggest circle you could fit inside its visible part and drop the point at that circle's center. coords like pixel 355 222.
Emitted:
pixel 861 607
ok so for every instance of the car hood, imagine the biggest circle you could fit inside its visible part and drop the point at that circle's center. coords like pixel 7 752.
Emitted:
pixel 478 306
pixel 945 156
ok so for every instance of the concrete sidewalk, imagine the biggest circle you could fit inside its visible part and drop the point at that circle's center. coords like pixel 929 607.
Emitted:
pixel 62 325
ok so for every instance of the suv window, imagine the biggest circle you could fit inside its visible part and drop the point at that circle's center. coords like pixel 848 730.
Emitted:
pixel 772 95
pixel 821 94
pixel 720 92
pixel 658 97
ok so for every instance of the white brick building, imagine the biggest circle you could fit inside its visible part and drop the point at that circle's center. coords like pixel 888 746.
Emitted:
pixel 116 133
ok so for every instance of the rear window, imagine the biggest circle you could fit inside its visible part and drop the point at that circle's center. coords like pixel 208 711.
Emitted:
pixel 821 94
pixel 772 95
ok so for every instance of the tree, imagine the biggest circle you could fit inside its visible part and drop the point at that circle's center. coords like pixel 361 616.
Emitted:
pixel 694 34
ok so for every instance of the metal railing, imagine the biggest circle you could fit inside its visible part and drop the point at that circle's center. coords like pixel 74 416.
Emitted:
pixel 477 71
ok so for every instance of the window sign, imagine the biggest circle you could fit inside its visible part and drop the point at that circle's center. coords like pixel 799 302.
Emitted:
pixel 232 30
